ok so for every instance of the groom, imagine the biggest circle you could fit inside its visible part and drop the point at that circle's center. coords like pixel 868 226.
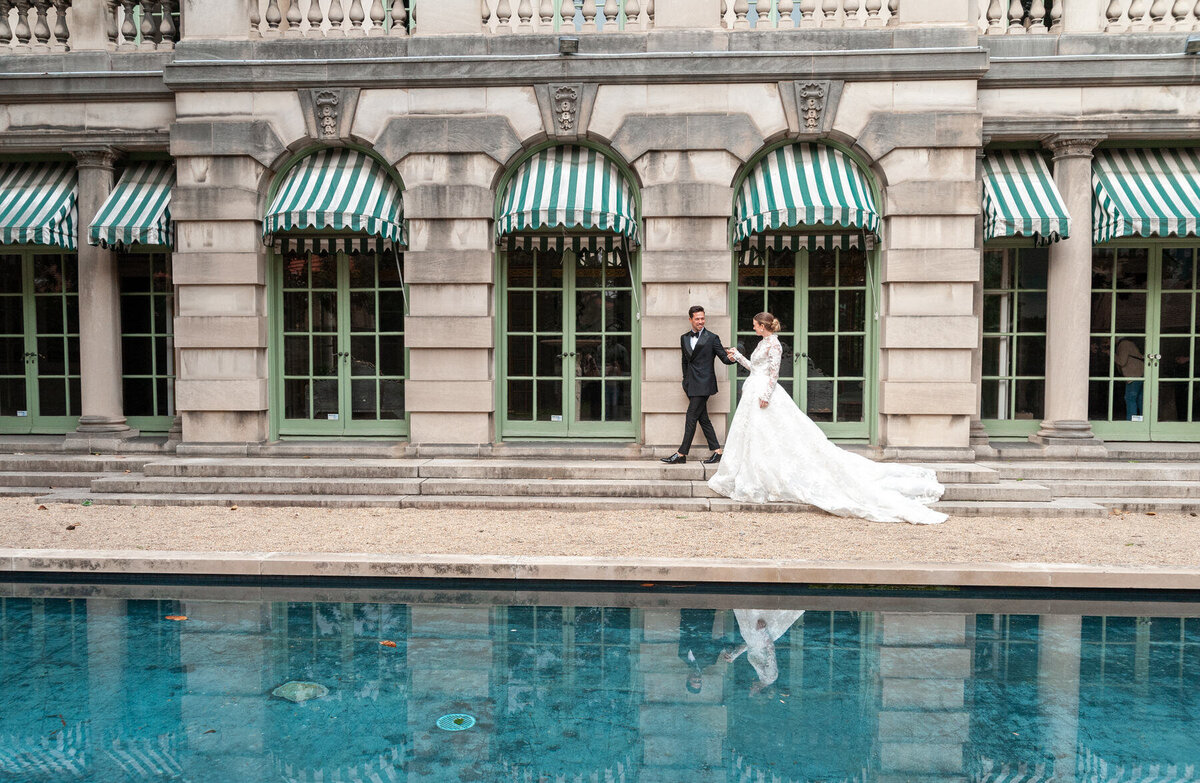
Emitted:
pixel 700 347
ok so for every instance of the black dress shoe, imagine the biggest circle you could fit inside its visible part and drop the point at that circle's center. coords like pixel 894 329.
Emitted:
pixel 674 459
pixel 713 460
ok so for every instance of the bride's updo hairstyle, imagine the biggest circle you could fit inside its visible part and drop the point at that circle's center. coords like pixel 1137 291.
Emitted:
pixel 769 321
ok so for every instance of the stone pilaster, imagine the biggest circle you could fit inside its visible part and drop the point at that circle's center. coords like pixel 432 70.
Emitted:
pixel 99 307
pixel 1058 689
pixel 1066 429
pixel 979 436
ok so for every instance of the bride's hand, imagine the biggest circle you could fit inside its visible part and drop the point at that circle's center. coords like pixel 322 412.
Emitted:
pixel 763 403
pixel 729 353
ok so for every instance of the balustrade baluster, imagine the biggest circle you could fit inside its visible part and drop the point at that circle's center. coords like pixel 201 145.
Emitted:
pixel 376 15
pixel 399 18
pixel 255 19
pixel 633 15
pixel 567 13
pixel 41 28
pixel 649 14
pixel 1180 12
pixel 5 30
pixel 545 15
pixel 357 16
pixel 168 33
pixel 589 16
pixel 1056 13
pixel 127 41
pixel 485 15
pixel 1196 14
pixel 829 10
pixel 21 32
pixel 110 23
pixel 315 17
pixel 1016 17
pixel 524 14
pixel 873 17
pixel 786 7
pixel 1137 16
pixel 294 18
pixel 504 17
pixel 336 15
pixel 740 9
pixel 62 36
pixel 1112 16
pixel 149 27
pixel 1037 16
pixel 807 10
pixel 274 17
pixel 611 9
pixel 893 12
pixel 994 14
pixel 1158 15
pixel 850 8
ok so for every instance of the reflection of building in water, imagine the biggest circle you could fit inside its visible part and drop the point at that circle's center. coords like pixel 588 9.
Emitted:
pixel 108 690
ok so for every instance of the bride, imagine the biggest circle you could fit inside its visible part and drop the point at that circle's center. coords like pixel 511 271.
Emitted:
pixel 774 452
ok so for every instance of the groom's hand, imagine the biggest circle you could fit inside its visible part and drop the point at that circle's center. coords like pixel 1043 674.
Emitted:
pixel 729 353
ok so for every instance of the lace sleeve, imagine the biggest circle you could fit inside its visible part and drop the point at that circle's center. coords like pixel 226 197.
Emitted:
pixel 742 360
pixel 774 359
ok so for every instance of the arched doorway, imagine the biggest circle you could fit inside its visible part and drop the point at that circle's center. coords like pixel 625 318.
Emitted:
pixel 568 298
pixel 335 222
pixel 804 233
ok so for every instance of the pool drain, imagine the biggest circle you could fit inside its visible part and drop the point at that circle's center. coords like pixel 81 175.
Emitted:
pixel 455 721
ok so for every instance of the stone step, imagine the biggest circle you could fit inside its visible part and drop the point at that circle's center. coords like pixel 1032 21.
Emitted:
pixel 1004 491
pixel 68 463
pixel 1146 504
pixel 1062 507
pixel 564 487
pixel 261 467
pixel 1097 471
pixel 1116 490
pixel 558 469
pixel 240 486
pixel 45 479
pixel 20 492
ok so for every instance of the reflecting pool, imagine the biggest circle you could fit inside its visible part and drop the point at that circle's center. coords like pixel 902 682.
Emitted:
pixel 213 684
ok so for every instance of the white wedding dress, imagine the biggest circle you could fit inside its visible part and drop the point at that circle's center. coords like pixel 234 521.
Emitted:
pixel 777 453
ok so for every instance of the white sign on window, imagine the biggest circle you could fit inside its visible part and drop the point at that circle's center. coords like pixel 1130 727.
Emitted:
pixel 555 418
pixel 1136 418
pixel 331 416
pixel 22 413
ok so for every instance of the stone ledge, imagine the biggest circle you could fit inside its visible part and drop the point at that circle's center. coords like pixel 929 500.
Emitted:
pixel 253 565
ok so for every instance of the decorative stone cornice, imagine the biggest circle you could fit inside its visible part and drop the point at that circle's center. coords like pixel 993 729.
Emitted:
pixel 95 157
pixel 1070 145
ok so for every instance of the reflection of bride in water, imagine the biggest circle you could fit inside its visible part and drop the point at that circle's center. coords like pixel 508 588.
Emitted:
pixel 760 628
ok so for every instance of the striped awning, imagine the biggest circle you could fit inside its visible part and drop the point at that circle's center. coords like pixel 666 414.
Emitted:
pixel 804 185
pixel 38 204
pixel 138 211
pixel 338 189
pixel 1020 198
pixel 571 187
pixel 1145 192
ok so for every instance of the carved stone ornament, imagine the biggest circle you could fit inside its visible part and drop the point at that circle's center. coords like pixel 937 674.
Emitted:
pixel 810 104
pixel 329 112
pixel 1071 146
pixel 566 106
pixel 326 103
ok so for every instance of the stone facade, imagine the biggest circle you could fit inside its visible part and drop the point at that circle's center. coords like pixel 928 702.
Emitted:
pixel 686 108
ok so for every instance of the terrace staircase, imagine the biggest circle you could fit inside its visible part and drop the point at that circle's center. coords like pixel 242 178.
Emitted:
pixel 1022 488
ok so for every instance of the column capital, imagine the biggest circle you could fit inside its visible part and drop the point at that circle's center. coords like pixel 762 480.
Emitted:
pixel 1072 145
pixel 96 157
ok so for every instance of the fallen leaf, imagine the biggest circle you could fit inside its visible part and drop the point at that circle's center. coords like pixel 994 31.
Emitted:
pixel 1151 513
pixel 176 617
pixel 43 508
pixel 647 584
pixel 211 731
pixel 86 503
pixel 233 508
pixel 128 471
pixel 387 643
pixel 70 527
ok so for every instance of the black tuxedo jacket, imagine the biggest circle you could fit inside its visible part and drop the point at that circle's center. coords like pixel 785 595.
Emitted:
pixel 699 380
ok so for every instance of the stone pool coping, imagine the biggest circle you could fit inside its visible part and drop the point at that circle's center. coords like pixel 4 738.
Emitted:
pixel 706 571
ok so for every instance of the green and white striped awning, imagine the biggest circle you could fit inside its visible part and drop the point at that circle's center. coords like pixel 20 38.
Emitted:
pixel 804 185
pixel 1145 192
pixel 138 211
pixel 338 189
pixel 38 204
pixel 1020 198
pixel 571 187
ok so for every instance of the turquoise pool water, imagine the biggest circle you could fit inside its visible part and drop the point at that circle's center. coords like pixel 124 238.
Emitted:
pixel 98 685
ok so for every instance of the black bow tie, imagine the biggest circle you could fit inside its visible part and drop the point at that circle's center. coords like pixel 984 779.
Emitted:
pixel 695 334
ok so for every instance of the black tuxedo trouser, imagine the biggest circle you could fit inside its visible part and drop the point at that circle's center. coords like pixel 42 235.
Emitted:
pixel 698 412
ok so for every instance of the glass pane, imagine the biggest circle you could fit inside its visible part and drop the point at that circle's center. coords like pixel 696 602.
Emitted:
pixel 1133 393
pixel 161 264
pixel 391 311
pixel 137 355
pixel 821 311
pixel 295 311
pixel 295 270
pixel 391 399
pixel 589 357
pixel 549 311
pixel 295 399
pixel 822 268
pixel 589 269
pixel 520 400
pixel 520 356
pixel 324 270
pixel 1131 312
pixel 362 355
pixel 752 271
pixel 1132 268
pixel 49 310
pixel 324 312
pixel 1033 267
pixel 52 357
pixel 853 269
pixel 996 355
pixel 617 357
pixel 138 396
pixel 1101 357
pixel 362 311
pixel 1128 358
pixel 589 311
pixel 618 401
pixel 324 355
pixel 47 275
pixel 850 401
pixel 820 356
pixel 12 315
pixel 1172 401
pixel 549 356
pixel 134 272
pixel 520 311
pixel 616 272
pixel 549 269
pixel 163 309
pixel 165 403
pixel 850 356
pixel 1031 355
pixel 996 310
pixel 993 266
pixel 519 268
pixel 295 356
pixel 852 311
pixel 617 311
pixel 991 393
pixel 391 355
pixel 1101 311
pixel 1098 400
pixel 1102 267
pixel 1031 311
pixel 52 397
pixel 820 400
pixel 588 401
pixel 781 303
pixel 549 400
pixel 781 269
pixel 363 399
pixel 12 396
pixel 12 356
pixel 750 303
pixel 362 270
pixel 135 314
pixel 1175 316
pixel 1029 399
pixel 10 274
pixel 787 365
pixel 325 399
pixel 1177 267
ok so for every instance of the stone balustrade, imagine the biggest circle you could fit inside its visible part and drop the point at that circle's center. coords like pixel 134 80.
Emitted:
pixel 333 19
pixel 34 26
pixel 1121 16
pixel 583 16
pixel 142 25
pixel 787 14
pixel 1012 17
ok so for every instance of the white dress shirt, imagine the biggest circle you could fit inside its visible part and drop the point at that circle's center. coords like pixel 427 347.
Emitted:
pixel 695 338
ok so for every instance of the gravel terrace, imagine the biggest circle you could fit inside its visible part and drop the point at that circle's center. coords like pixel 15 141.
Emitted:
pixel 1130 538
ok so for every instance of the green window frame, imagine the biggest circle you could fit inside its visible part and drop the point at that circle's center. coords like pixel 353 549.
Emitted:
pixel 1013 377
pixel 148 368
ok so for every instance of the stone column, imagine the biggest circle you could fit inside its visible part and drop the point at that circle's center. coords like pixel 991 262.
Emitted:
pixel 1068 313
pixel 979 436
pixel 99 306
pixel 1058 689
